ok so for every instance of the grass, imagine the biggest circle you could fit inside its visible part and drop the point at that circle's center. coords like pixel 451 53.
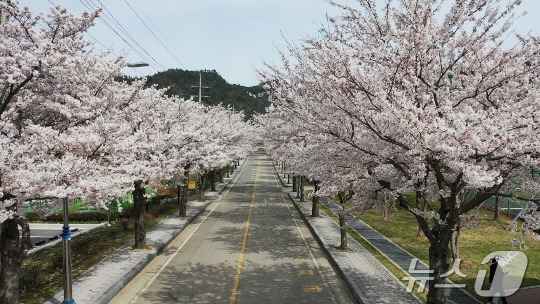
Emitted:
pixel 396 271
pixel 42 271
pixel 474 244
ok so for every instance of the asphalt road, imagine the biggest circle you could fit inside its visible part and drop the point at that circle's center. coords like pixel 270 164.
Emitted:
pixel 249 247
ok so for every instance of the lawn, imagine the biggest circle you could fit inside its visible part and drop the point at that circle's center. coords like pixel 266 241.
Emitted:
pixel 475 244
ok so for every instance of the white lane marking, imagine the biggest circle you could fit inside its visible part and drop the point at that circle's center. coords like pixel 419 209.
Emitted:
pixel 160 270
pixel 330 292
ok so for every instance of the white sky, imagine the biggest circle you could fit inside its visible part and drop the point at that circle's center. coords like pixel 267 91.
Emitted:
pixel 233 37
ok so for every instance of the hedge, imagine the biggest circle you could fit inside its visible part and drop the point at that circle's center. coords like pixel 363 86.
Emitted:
pixel 98 216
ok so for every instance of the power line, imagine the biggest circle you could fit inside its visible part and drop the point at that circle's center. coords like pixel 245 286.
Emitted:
pixel 119 25
pixel 123 30
pixel 91 5
pixel 146 25
pixel 167 41
pixel 109 26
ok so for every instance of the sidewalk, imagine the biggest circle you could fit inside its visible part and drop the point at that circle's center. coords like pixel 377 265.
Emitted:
pixel 396 254
pixel 368 279
pixel 103 281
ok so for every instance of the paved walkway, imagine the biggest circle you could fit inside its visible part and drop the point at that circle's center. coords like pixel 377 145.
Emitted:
pixel 397 255
pixel 103 281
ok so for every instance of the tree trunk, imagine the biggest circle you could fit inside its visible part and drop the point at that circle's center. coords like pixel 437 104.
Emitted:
pixel 342 231
pixel 221 176
pixel 302 197
pixel 342 224
pixel 455 241
pixel 438 262
pixel 183 201
pixel 294 184
pixel 496 216
pixel 315 206
pixel 420 229
pixel 12 252
pixel 139 206
pixel 202 180
pixel 178 194
pixel 213 180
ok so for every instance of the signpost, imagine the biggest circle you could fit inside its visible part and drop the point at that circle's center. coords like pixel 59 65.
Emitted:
pixel 192 185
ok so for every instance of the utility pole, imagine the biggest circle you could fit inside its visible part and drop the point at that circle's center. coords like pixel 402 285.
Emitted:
pixel 200 86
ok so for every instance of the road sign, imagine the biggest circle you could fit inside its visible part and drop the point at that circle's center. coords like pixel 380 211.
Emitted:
pixel 192 185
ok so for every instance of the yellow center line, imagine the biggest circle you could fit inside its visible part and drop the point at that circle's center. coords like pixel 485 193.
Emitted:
pixel 244 243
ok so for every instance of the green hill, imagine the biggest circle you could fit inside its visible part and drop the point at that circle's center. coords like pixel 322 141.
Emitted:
pixel 185 85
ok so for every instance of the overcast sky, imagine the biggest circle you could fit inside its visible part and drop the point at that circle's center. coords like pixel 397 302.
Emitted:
pixel 233 37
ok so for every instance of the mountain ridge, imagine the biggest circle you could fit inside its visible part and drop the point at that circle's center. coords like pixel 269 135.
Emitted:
pixel 185 84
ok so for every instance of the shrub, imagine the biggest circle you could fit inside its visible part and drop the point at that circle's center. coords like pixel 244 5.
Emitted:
pixel 148 217
pixel 122 225
pixel 32 216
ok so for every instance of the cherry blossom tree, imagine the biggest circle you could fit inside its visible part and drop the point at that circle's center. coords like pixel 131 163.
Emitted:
pixel 49 80
pixel 421 97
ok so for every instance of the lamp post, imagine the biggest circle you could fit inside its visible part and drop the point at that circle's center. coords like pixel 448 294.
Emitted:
pixel 66 256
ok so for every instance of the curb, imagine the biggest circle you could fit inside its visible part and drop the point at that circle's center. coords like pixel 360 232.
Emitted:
pixel 357 294
pixel 471 297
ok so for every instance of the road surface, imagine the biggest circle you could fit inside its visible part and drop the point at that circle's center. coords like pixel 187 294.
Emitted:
pixel 249 247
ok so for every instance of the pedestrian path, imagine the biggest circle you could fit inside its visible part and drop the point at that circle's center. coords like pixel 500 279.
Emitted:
pixel 398 255
pixel 370 281
pixel 102 282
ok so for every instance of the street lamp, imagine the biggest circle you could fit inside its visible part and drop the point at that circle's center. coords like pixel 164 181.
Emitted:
pixel 137 64
pixel 66 255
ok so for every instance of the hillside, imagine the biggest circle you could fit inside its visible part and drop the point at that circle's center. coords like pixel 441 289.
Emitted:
pixel 180 83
